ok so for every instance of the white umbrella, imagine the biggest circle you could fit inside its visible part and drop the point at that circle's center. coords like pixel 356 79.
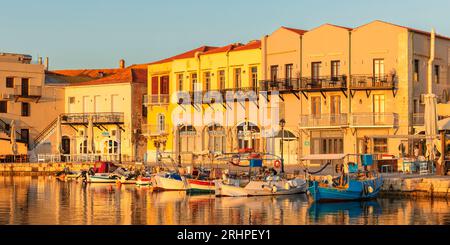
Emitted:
pixel 12 128
pixel 119 139
pixel 58 136
pixel 90 135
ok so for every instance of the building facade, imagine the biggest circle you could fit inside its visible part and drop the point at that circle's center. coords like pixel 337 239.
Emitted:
pixel 24 97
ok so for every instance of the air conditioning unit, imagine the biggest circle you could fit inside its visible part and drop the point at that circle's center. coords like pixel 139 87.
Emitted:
pixel 7 96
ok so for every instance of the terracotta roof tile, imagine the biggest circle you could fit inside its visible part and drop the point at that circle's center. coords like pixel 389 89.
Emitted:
pixel 185 55
pixel 251 45
pixel 127 75
pixel 298 31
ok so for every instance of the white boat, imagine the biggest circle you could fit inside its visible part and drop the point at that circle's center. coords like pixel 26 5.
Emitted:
pixel 170 182
pixel 272 186
pixel 101 178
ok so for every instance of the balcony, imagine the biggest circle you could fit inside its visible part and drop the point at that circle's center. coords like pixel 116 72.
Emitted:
pixel 323 121
pixel 151 130
pixel 27 93
pixel 97 118
pixel 374 120
pixel 369 82
pixel 158 99
pixel 418 119
pixel 305 84
pixel 216 96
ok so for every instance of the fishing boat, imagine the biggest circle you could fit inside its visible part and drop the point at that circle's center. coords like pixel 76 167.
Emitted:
pixel 351 184
pixel 144 181
pixel 200 181
pixel 170 181
pixel 101 173
pixel 267 183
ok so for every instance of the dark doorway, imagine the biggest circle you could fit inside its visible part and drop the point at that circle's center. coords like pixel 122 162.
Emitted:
pixel 25 85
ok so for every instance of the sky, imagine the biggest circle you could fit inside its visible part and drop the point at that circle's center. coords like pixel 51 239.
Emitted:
pixel 98 33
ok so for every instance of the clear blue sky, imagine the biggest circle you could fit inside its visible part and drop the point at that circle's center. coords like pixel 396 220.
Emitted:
pixel 97 33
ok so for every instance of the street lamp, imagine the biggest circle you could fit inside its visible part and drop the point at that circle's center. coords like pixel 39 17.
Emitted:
pixel 282 124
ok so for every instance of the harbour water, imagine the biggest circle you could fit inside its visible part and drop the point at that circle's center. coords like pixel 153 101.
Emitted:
pixel 45 200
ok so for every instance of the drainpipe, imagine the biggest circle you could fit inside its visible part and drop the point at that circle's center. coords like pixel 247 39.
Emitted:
pixel 430 62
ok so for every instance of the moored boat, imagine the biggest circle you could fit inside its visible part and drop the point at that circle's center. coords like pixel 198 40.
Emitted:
pixel 144 181
pixel 170 181
pixel 200 186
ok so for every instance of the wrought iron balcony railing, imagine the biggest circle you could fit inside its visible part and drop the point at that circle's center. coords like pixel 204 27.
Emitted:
pixel 374 119
pixel 216 96
pixel 373 82
pixel 158 99
pixel 98 118
pixel 305 84
pixel 323 121
pixel 27 92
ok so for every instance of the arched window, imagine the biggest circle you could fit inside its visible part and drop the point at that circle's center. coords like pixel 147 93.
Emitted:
pixel 248 136
pixel 216 138
pixel 187 138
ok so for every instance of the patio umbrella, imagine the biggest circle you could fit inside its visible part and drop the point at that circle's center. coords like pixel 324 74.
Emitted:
pixel 12 136
pixel 58 136
pixel 90 135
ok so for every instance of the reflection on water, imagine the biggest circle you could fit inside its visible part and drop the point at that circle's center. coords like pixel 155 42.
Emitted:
pixel 44 200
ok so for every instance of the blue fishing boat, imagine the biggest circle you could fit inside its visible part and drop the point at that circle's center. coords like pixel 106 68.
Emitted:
pixel 352 184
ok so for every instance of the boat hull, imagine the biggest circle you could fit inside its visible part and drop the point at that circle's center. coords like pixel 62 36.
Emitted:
pixel 357 190
pixel 170 184
pixel 200 186
pixel 144 181
pixel 100 178
pixel 261 188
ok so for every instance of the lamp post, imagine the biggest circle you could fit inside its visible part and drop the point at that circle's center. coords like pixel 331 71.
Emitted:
pixel 282 124
pixel 179 144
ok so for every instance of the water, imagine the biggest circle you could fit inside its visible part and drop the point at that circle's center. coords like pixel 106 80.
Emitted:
pixel 45 200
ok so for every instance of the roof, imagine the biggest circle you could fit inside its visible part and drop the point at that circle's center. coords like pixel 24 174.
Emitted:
pixel 298 31
pixel 236 47
pixel 185 55
pixel 127 75
pixel 251 45
pixel 408 28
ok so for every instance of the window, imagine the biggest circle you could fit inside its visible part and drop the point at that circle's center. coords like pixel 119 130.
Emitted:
pixel 25 135
pixel 380 145
pixel 254 76
pixel 113 147
pixel 3 107
pixel 207 81
pixel 274 73
pixel 194 80
pixel 289 71
pixel 161 123
pixel 335 69
pixel 180 82
pixel 315 106
pixel 379 108
pixel 10 82
pixel 71 100
pixel 144 105
pixel 25 109
pixel 83 147
pixel 221 78
pixel 416 70
pixel 315 71
pixel 378 69
pixel 327 142
pixel 237 77
pixel 436 73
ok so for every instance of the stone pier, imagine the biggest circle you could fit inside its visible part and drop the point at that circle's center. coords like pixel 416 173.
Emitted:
pixel 416 185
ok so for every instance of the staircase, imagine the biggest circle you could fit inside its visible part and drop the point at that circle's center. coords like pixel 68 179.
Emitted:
pixel 44 134
pixel 5 129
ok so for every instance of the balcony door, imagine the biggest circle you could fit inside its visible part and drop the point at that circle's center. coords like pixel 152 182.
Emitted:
pixel 378 108
pixel 86 104
pixel 273 73
pixel 154 89
pixel 289 73
pixel 315 72
pixel 97 104
pixel 378 70
pixel 25 86
pixel 335 109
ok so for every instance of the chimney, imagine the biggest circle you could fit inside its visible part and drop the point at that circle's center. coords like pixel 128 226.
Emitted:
pixel 46 64
pixel 121 63
pixel 40 60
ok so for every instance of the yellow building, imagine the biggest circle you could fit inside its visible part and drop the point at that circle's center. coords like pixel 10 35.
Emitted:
pixel 210 124
pixel 354 88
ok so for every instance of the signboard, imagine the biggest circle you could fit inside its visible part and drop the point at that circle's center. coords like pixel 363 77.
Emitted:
pixel 105 134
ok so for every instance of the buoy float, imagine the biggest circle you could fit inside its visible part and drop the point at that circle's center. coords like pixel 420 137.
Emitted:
pixel 370 189
pixel 277 163
pixel 274 189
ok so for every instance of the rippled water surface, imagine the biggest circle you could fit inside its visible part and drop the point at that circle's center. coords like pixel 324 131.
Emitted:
pixel 45 200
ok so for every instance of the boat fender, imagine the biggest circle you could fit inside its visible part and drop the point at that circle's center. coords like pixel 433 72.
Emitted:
pixel 370 189
pixel 287 186
pixel 274 189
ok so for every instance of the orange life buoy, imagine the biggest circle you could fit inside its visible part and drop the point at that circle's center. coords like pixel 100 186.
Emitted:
pixel 277 163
